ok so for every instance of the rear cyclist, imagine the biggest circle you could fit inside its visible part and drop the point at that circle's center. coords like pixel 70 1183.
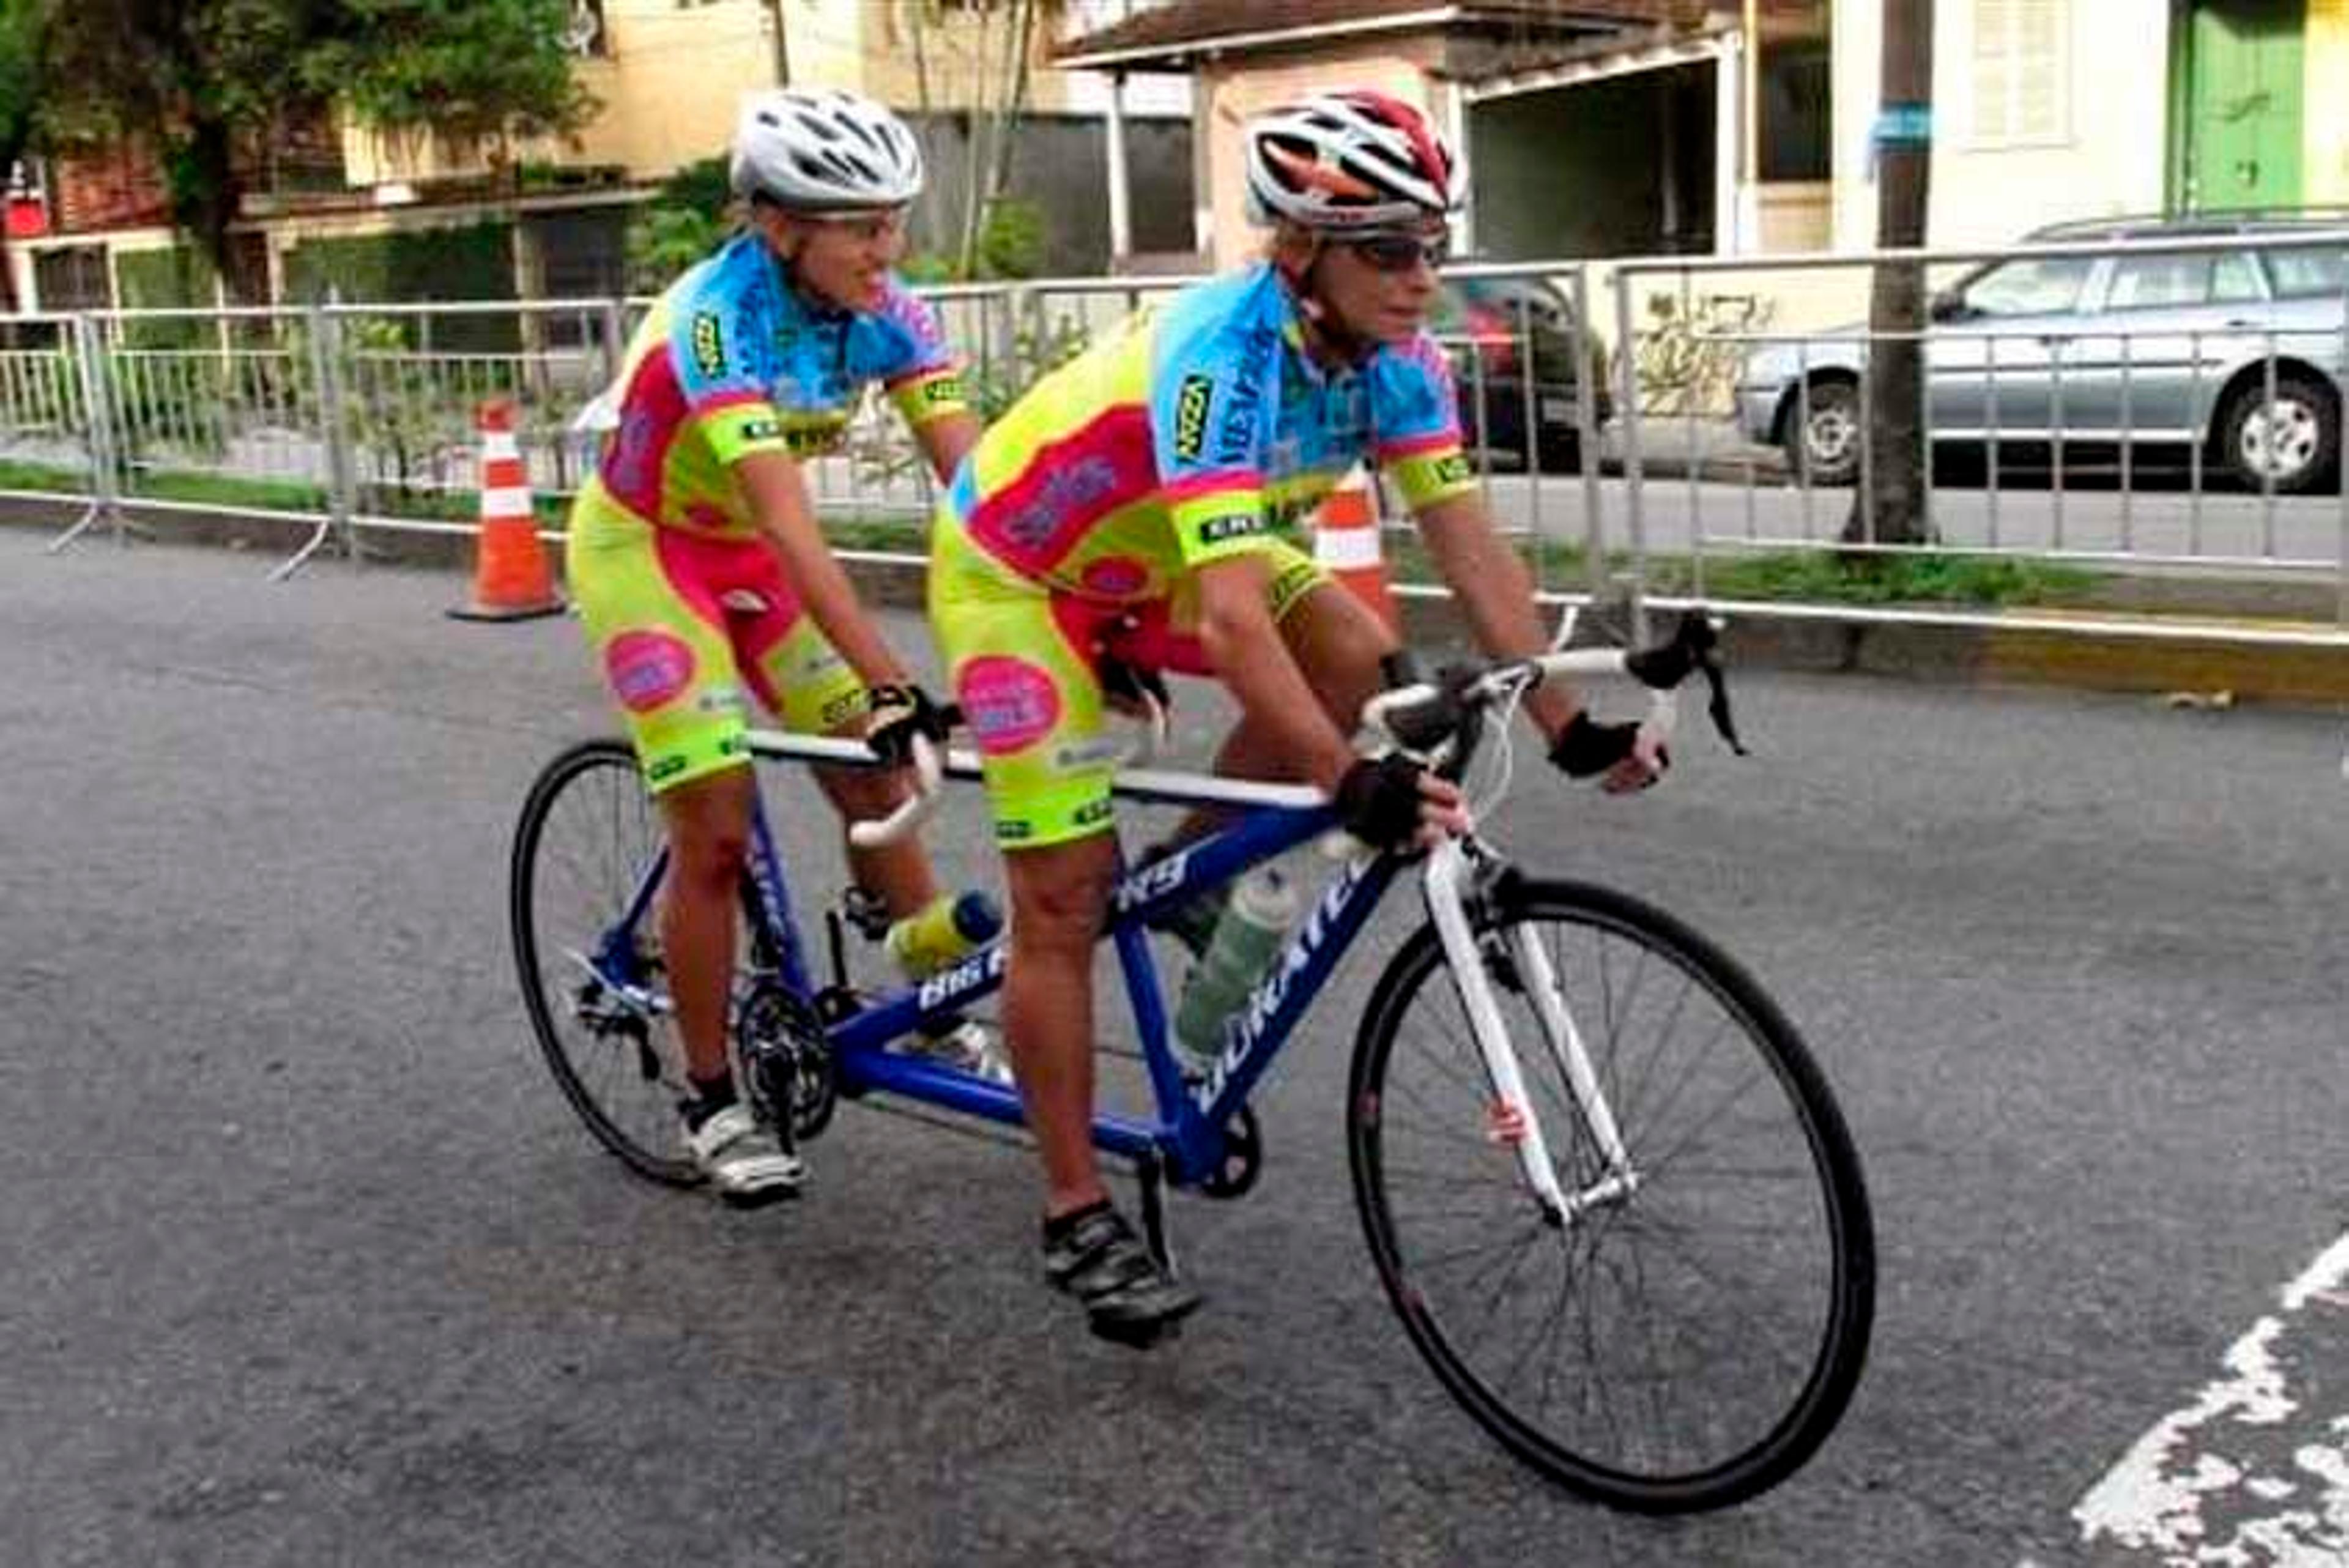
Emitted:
pixel 1127 505
pixel 700 570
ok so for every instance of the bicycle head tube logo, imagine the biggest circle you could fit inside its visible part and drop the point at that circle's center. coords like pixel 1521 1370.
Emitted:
pixel 1244 1030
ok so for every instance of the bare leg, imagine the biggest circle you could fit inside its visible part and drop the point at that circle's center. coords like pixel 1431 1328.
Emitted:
pixel 900 873
pixel 1059 893
pixel 1337 642
pixel 709 822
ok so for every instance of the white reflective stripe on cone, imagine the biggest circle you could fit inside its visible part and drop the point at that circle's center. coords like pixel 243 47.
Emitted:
pixel 1347 549
pixel 498 443
pixel 506 504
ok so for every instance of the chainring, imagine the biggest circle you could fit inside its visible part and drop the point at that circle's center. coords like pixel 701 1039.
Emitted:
pixel 786 1060
pixel 1242 1159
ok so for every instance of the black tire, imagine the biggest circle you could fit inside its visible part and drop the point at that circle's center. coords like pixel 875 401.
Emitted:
pixel 2307 421
pixel 1820 432
pixel 1750 1203
pixel 587 832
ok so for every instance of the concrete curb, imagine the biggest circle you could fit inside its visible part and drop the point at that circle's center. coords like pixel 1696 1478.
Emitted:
pixel 2187 670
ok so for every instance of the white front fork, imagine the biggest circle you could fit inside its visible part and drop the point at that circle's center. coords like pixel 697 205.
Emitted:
pixel 1513 1115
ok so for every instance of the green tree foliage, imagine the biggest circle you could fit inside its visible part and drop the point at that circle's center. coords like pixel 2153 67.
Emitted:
pixel 201 82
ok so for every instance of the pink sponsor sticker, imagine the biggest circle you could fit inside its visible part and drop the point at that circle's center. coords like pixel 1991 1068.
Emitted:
pixel 647 668
pixel 1118 574
pixel 1009 703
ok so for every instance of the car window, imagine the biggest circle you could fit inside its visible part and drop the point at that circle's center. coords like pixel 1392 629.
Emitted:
pixel 2306 271
pixel 2038 285
pixel 2154 283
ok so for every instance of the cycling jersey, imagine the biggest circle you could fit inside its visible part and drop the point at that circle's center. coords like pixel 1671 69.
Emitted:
pixel 1076 525
pixel 1191 433
pixel 733 361
pixel 685 606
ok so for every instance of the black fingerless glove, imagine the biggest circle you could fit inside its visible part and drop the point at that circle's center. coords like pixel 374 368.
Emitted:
pixel 1586 749
pixel 901 712
pixel 1378 801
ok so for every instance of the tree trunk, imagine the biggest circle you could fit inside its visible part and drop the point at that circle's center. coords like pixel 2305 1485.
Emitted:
pixel 921 26
pixel 206 190
pixel 1007 130
pixel 975 160
pixel 1892 506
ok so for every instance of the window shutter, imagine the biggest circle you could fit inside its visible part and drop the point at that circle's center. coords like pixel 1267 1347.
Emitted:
pixel 2020 69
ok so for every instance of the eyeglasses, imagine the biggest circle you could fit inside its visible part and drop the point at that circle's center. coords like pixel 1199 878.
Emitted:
pixel 1401 253
pixel 870 223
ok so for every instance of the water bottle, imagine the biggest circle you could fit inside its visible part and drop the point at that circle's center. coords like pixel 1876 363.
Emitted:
pixel 1247 938
pixel 948 929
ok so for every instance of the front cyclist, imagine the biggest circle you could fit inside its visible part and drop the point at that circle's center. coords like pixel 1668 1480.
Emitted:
pixel 1127 506
pixel 700 570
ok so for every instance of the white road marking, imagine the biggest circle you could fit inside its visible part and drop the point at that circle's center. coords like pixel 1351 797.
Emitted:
pixel 2222 1444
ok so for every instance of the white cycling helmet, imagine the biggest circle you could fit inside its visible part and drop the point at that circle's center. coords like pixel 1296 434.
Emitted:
pixel 824 151
pixel 1355 159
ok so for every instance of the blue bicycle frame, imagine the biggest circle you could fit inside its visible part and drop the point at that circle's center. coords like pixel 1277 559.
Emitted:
pixel 1186 1141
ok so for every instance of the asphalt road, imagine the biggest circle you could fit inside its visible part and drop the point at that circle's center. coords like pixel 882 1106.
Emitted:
pixel 306 1262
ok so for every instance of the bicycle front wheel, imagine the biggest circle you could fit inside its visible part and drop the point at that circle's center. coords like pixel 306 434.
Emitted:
pixel 1689 1330
pixel 589 835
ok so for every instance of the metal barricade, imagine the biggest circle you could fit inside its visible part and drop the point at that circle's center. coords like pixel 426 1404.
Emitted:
pixel 2178 412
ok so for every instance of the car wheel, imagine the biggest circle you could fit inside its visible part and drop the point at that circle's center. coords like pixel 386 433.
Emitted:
pixel 2292 443
pixel 1822 435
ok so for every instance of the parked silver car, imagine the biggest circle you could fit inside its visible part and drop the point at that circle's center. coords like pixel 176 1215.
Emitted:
pixel 2153 349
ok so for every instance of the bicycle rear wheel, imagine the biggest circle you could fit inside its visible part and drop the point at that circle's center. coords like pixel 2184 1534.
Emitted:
pixel 1679 1346
pixel 587 834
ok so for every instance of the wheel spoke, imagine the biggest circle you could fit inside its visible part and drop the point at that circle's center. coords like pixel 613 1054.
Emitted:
pixel 1650 1350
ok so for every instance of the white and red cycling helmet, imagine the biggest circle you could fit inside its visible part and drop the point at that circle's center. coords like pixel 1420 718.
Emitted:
pixel 1354 159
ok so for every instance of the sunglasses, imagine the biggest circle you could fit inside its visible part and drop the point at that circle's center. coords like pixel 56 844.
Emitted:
pixel 1401 253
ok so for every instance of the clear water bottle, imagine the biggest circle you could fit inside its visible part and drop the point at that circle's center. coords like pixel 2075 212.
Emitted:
pixel 949 929
pixel 1247 938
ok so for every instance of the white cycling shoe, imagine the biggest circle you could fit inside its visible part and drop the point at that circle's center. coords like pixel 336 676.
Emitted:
pixel 969 1045
pixel 744 1163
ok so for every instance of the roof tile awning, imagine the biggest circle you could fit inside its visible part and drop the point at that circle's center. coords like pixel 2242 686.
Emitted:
pixel 1172 38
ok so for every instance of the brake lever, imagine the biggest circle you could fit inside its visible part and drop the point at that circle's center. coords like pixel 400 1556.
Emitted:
pixel 1716 707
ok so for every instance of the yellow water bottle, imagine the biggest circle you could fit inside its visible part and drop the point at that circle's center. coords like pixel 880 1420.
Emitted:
pixel 948 929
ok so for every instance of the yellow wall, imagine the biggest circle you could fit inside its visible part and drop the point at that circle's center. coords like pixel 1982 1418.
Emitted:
pixel 2324 103
pixel 2109 161
pixel 669 85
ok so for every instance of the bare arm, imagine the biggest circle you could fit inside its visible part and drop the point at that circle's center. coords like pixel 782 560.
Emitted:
pixel 786 517
pixel 1496 594
pixel 945 439
pixel 1237 631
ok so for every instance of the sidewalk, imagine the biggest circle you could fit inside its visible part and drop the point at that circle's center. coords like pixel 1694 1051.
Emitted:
pixel 2002 647
pixel 1671 444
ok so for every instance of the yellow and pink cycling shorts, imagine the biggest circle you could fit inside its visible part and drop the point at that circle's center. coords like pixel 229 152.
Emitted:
pixel 1024 659
pixel 681 622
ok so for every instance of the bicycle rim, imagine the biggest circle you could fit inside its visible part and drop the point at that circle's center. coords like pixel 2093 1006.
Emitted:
pixel 1680 1348
pixel 587 833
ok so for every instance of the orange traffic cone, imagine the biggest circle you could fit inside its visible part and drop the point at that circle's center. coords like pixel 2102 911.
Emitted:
pixel 511 580
pixel 1346 542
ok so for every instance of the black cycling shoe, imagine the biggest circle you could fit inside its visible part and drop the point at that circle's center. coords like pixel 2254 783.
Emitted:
pixel 1094 1256
pixel 1191 922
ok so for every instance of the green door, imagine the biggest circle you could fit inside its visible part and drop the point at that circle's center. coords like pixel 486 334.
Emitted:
pixel 2243 87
